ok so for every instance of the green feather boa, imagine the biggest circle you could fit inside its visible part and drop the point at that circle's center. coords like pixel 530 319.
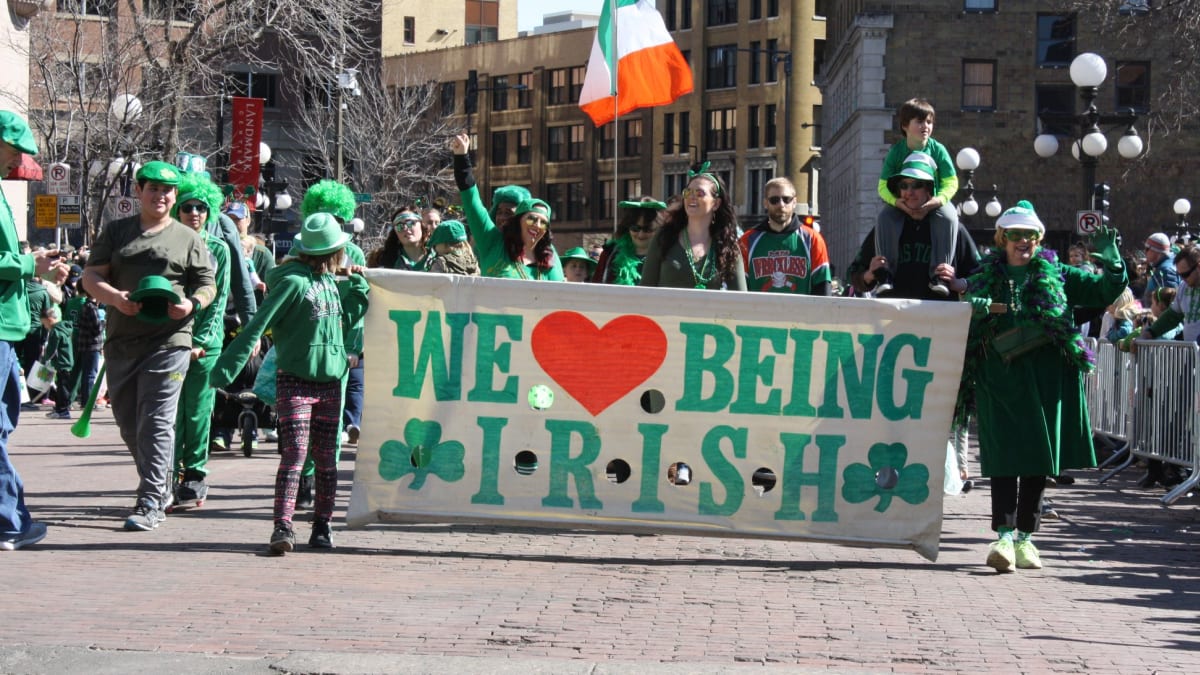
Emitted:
pixel 624 265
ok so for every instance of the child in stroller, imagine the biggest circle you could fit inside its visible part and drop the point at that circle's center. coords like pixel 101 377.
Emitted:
pixel 238 407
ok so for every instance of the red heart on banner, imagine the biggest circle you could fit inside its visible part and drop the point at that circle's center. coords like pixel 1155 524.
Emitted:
pixel 597 366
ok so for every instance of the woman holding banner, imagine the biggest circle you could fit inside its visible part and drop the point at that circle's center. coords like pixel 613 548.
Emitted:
pixel 1024 373
pixel 697 246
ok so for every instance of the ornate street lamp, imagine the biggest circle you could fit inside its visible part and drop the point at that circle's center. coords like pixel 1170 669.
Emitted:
pixel 967 160
pixel 1182 208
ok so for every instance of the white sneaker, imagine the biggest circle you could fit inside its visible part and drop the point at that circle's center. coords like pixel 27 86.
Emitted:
pixel 270 436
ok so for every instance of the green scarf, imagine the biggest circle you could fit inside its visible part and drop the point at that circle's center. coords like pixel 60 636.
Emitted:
pixel 624 264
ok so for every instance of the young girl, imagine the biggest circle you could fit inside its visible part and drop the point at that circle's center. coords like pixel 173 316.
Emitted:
pixel 452 253
pixel 1122 312
pixel 312 361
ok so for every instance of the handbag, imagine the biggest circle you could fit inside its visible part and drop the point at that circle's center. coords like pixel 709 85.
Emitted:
pixel 1016 342
pixel 264 381
pixel 41 376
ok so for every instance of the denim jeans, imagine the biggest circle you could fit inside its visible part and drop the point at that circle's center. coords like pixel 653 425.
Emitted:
pixel 14 517
pixel 352 413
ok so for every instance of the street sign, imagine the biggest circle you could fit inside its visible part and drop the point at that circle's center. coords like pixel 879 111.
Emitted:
pixel 58 179
pixel 1087 222
pixel 126 206
pixel 363 198
pixel 45 211
pixel 68 211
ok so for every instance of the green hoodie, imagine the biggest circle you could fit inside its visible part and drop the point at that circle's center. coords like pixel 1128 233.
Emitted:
pixel 15 268
pixel 311 308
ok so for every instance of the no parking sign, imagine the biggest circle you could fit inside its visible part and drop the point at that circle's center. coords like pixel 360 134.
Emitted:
pixel 1087 222
pixel 125 206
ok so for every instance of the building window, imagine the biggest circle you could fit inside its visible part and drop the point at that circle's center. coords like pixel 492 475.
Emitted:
pixel 631 187
pixel 752 136
pixel 1056 40
pixel 87 7
pixel 685 131
pixel 556 197
pixel 499 148
pixel 606 139
pixel 556 85
pixel 722 12
pixel 979 85
pixel 1055 98
pixel 673 184
pixel 815 125
pixel 772 8
pixel 575 149
pixel 161 9
pixel 477 34
pixel 410 30
pixel 755 62
pixel 633 138
pixel 1133 85
pixel 755 9
pixel 448 97
pixel 979 5
pixel 820 11
pixel 556 144
pixel 606 200
pixel 524 145
pixel 772 56
pixel 721 130
pixel 722 67
pixel 499 87
pixel 574 201
pixel 668 134
pixel 769 114
pixel 756 179
pixel 818 57
pixel 577 75
pixel 525 93
pixel 254 85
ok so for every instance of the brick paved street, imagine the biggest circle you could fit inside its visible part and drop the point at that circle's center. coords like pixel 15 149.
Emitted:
pixel 1120 591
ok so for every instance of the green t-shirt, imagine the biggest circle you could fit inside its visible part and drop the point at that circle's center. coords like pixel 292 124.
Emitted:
pixel 175 252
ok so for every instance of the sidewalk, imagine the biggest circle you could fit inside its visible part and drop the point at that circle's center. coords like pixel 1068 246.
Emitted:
pixel 1120 592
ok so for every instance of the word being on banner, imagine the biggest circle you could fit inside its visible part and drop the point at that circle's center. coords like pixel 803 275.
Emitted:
pixel 704 419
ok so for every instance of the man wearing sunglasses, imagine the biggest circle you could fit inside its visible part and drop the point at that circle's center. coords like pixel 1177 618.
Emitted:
pixel 783 254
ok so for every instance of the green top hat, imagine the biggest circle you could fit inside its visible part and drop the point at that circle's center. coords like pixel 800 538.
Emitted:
pixel 321 234
pixel 15 131
pixel 449 232
pixel 578 253
pixel 159 172
pixel 156 294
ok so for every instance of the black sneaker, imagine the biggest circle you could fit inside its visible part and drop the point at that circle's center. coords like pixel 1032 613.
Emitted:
pixel 190 495
pixel 282 539
pixel 352 433
pixel 304 496
pixel 321 536
pixel 144 517
pixel 939 288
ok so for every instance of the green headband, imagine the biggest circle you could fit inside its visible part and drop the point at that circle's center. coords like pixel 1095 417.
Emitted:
pixel 703 172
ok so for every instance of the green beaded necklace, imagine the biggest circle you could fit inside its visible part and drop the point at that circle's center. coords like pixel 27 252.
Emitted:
pixel 698 274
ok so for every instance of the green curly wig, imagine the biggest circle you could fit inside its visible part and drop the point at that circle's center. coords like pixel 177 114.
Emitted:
pixel 199 186
pixel 329 196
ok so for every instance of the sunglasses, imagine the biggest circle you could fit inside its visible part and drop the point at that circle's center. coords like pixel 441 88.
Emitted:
pixel 539 220
pixel 910 184
pixel 1021 235
pixel 406 224
pixel 1185 275
pixel 642 228
pixel 194 208
pixel 776 200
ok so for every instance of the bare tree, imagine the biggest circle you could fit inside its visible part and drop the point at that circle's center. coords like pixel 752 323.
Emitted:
pixel 394 143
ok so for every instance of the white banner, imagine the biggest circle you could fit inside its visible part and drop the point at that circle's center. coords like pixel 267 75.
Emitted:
pixel 656 410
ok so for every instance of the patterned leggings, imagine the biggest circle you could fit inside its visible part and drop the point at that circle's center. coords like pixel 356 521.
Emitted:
pixel 309 413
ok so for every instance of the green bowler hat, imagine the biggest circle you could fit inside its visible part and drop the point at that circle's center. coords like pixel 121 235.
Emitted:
pixel 156 294
pixel 159 172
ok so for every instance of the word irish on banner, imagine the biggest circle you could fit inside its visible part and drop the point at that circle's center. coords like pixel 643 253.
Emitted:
pixel 657 410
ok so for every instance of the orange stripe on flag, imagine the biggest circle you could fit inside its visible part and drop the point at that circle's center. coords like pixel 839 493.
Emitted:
pixel 646 78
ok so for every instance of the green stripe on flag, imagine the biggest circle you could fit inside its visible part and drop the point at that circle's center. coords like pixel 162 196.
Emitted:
pixel 605 36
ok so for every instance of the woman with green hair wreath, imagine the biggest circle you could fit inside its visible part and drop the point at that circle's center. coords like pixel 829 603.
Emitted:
pixel 1024 370
pixel 623 256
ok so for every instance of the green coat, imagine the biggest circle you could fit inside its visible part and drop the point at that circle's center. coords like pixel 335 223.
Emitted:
pixel 1032 412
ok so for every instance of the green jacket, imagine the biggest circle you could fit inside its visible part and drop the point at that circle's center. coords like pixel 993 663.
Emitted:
pixel 58 353
pixel 208 326
pixel 15 269
pixel 313 311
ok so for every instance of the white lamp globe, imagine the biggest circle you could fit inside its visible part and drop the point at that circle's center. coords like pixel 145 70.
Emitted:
pixel 283 201
pixel 1130 145
pixel 993 208
pixel 970 207
pixel 1088 70
pixel 1095 144
pixel 1045 145
pixel 968 159
pixel 357 225
pixel 114 169
pixel 260 200
pixel 1182 207
pixel 264 153
pixel 1075 149
pixel 126 109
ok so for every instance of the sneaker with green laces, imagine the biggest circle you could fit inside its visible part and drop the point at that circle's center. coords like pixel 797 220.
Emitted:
pixel 1027 555
pixel 1001 556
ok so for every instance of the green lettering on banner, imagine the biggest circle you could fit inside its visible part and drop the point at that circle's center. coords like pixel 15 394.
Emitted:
pixel 489 462
pixel 412 367
pixel 648 501
pixel 917 380
pixel 753 368
pixel 563 465
pixel 794 477
pixel 727 473
pixel 860 383
pixel 695 365
pixel 799 405
pixel 489 357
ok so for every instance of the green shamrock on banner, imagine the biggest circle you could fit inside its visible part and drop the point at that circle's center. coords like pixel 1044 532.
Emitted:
pixel 886 477
pixel 421 454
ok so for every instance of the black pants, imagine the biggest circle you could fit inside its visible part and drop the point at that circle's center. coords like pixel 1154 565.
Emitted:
pixel 1017 502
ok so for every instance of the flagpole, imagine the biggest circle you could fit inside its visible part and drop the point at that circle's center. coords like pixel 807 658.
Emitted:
pixel 612 12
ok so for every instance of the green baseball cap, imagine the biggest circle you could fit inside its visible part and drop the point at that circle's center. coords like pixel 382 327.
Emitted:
pixel 159 172
pixel 15 131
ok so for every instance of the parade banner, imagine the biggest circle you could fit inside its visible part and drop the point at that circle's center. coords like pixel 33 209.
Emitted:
pixel 244 142
pixel 656 410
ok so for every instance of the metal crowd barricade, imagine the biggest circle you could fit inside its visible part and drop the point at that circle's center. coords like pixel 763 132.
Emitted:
pixel 1166 411
pixel 1109 391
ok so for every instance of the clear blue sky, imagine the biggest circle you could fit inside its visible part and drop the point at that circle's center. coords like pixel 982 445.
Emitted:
pixel 529 12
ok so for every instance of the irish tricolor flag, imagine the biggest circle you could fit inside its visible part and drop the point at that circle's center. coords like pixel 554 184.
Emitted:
pixel 633 44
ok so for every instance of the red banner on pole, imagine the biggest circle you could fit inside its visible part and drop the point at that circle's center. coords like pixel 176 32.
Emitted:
pixel 243 144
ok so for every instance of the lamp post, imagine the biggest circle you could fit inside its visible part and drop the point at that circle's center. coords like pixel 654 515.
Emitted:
pixel 1182 208
pixel 273 196
pixel 967 160
pixel 347 80
pixel 1088 72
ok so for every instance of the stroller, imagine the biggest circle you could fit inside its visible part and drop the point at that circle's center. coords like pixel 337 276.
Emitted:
pixel 239 407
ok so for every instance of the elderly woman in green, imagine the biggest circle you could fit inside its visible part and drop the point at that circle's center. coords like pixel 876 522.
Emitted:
pixel 517 246
pixel 1024 371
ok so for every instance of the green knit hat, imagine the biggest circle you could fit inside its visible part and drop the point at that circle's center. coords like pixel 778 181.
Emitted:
pixel 508 194
pixel 329 196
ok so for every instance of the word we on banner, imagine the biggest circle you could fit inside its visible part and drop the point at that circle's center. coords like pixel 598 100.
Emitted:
pixel 656 410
